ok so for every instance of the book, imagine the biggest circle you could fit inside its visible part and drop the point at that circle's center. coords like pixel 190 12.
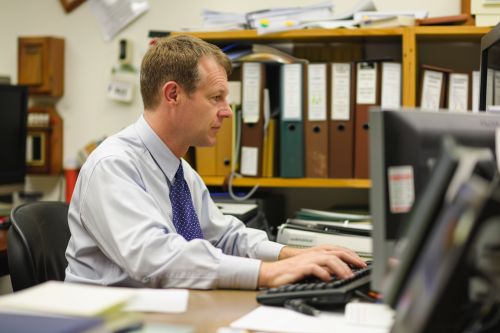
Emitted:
pixel 70 299
pixel 444 20
pixel 29 323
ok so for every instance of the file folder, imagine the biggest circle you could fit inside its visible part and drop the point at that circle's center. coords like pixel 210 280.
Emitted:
pixel 291 121
pixel 459 94
pixel 316 124
pixel 367 95
pixel 252 127
pixel 433 87
pixel 341 127
pixel 391 84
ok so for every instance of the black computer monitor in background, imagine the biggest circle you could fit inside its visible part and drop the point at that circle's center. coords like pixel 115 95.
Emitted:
pixel 404 147
pixel 489 91
pixel 13 127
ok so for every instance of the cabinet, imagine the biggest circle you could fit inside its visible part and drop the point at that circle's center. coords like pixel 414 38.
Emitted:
pixel 41 65
pixel 44 141
pixel 455 47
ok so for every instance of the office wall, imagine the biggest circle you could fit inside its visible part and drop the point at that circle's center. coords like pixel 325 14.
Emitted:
pixel 87 112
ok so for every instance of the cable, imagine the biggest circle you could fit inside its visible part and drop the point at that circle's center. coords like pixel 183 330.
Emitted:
pixel 230 188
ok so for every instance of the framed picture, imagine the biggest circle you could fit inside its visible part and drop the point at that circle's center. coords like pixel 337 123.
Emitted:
pixel 69 5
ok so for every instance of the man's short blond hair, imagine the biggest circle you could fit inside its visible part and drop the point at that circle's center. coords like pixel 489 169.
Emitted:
pixel 175 58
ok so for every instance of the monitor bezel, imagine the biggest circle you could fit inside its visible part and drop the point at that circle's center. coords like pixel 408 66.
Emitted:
pixel 487 41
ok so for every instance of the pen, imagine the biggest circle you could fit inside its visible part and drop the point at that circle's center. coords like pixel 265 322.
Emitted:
pixel 300 306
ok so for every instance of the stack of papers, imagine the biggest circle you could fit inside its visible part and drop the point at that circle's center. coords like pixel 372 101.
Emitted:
pixel 109 304
pixel 313 227
pixel 375 19
pixel 322 215
pixel 282 19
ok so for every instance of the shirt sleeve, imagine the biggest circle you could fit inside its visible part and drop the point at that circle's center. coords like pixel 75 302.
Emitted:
pixel 227 232
pixel 130 228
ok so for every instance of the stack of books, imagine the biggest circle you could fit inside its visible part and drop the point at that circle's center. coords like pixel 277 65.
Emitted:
pixel 63 307
pixel 316 227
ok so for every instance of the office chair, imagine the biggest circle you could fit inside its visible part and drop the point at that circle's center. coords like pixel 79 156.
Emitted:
pixel 36 243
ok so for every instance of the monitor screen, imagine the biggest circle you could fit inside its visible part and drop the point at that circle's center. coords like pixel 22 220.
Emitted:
pixel 489 91
pixel 13 118
pixel 439 295
pixel 404 147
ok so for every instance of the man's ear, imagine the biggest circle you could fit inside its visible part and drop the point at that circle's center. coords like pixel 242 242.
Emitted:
pixel 171 92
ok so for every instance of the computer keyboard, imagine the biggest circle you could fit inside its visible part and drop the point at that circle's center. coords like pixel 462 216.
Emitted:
pixel 317 292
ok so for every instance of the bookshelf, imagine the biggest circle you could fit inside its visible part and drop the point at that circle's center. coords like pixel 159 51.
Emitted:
pixel 410 45
pixel 291 182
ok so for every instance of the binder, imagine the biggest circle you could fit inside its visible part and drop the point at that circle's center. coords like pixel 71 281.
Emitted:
pixel 252 127
pixel 391 84
pixel 433 87
pixel 459 94
pixel 291 121
pixel 341 124
pixel 216 160
pixel 223 148
pixel 316 122
pixel 367 95
pixel 225 143
pixel 205 158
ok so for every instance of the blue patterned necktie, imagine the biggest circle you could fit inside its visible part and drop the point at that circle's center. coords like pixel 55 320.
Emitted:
pixel 184 216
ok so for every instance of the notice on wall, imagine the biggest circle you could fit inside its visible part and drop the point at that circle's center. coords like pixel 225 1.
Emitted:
pixel 114 15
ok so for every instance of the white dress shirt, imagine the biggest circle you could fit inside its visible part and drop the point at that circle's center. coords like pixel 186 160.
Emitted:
pixel 122 233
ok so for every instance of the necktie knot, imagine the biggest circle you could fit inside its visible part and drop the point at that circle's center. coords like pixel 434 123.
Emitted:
pixel 179 173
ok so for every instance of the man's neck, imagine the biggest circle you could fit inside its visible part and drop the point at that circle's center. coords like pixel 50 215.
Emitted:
pixel 161 128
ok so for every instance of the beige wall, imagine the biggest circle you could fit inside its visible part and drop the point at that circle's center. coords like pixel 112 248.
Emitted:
pixel 88 114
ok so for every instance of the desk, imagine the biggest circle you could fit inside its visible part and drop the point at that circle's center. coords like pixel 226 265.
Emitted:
pixel 209 310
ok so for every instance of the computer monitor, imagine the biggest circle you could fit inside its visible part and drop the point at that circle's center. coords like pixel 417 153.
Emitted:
pixel 454 166
pixel 404 146
pixel 13 127
pixel 448 290
pixel 489 91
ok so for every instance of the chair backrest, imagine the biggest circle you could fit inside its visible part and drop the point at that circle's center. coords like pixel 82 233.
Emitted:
pixel 36 243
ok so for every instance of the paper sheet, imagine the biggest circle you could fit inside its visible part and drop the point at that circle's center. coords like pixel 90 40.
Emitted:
pixel 114 15
pixel 275 319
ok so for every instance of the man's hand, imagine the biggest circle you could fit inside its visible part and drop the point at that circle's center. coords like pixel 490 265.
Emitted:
pixel 320 261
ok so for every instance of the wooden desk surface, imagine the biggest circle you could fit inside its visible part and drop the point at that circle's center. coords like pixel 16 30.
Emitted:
pixel 209 310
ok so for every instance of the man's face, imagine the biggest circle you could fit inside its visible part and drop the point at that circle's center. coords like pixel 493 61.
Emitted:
pixel 204 110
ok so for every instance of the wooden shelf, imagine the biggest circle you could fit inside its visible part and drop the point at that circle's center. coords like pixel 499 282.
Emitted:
pixel 447 31
pixel 306 34
pixel 251 35
pixel 291 182
pixel 408 37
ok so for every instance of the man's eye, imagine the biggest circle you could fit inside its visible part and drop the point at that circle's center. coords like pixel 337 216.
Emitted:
pixel 218 98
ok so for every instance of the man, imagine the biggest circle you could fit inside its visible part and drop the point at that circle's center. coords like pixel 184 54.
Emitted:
pixel 141 216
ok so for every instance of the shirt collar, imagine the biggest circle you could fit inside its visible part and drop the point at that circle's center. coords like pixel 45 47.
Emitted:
pixel 166 160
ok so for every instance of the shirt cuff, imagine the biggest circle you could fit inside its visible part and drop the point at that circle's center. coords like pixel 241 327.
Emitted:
pixel 269 251
pixel 238 272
